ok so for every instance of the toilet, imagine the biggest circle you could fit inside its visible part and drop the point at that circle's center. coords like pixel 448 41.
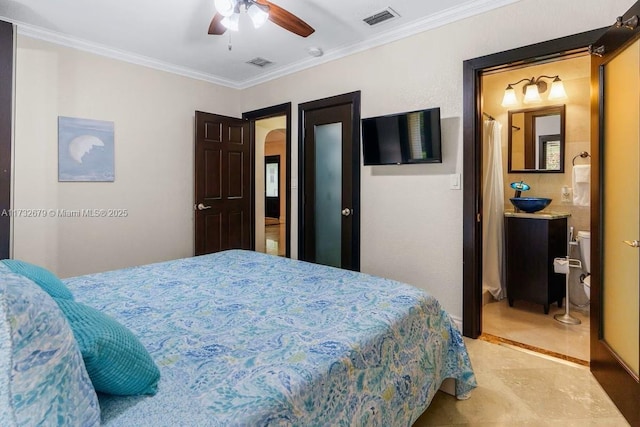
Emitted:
pixel 584 240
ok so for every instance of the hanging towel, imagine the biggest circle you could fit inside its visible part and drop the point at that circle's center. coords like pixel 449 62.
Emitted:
pixel 581 185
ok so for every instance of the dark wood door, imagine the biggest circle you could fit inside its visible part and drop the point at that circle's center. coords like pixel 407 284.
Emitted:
pixel 6 91
pixel 330 161
pixel 272 187
pixel 615 214
pixel 223 184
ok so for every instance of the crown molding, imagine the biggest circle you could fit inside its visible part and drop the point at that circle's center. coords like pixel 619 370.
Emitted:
pixel 440 19
pixel 448 16
pixel 110 52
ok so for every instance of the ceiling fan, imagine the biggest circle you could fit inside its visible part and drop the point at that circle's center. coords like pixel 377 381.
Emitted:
pixel 228 15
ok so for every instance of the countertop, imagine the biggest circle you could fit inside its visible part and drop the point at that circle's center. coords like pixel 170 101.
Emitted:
pixel 538 215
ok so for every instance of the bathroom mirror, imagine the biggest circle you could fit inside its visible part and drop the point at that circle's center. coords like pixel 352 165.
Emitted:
pixel 536 140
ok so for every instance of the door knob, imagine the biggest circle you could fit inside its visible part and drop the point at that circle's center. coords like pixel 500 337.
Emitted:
pixel 202 207
pixel 346 212
pixel 632 243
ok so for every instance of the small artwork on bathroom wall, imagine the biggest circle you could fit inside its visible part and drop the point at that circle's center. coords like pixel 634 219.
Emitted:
pixel 85 150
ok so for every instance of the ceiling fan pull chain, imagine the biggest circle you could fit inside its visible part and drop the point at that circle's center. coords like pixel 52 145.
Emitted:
pixel 229 46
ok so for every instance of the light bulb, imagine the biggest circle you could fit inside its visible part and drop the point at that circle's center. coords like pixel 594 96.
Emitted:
pixel 509 99
pixel 531 94
pixel 258 15
pixel 231 22
pixel 225 7
pixel 557 90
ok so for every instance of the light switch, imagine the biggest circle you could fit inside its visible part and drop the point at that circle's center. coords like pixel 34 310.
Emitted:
pixel 454 181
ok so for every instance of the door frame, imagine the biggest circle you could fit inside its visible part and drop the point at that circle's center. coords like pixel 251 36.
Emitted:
pixel 352 98
pixel 621 385
pixel 472 157
pixel 265 113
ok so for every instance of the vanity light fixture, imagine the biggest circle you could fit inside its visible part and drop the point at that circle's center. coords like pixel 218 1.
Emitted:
pixel 532 90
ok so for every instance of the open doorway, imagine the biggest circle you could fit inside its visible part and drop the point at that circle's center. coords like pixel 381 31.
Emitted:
pixel 275 215
pixel 519 248
pixel 473 70
pixel 270 130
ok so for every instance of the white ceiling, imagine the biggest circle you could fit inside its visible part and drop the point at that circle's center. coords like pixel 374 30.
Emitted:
pixel 172 35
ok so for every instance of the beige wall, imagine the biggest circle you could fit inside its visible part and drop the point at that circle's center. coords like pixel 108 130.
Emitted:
pixel 575 74
pixel 153 112
pixel 411 220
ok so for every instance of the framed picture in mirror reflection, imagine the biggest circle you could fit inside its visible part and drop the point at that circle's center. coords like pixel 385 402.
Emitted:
pixel 536 141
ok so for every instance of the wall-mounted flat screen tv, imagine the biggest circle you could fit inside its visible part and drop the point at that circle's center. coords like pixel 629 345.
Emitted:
pixel 404 138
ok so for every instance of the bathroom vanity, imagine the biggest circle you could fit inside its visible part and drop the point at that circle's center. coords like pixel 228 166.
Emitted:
pixel 533 240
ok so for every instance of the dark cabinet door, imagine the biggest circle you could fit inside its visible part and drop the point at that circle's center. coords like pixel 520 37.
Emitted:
pixel 531 246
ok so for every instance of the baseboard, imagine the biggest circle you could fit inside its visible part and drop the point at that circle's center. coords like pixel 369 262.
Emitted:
pixel 457 320
pixel 487 297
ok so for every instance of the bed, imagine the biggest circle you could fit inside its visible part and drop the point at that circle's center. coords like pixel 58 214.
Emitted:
pixel 246 339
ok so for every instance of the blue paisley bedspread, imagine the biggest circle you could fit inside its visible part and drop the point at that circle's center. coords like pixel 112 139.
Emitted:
pixel 247 339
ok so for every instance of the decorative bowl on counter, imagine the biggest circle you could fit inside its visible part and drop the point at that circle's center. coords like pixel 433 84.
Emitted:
pixel 530 204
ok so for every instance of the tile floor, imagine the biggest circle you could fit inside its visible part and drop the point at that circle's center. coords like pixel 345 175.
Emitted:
pixel 526 323
pixel 275 238
pixel 520 388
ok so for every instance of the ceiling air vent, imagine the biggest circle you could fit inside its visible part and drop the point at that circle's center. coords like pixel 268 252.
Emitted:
pixel 260 62
pixel 383 16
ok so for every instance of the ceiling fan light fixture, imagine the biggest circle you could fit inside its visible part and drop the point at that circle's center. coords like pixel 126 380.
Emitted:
pixel 228 13
pixel 231 22
pixel 225 7
pixel 258 14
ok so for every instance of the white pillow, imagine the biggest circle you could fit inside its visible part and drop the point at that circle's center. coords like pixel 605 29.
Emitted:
pixel 43 379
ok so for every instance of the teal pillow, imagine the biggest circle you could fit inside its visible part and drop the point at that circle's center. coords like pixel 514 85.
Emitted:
pixel 48 281
pixel 115 359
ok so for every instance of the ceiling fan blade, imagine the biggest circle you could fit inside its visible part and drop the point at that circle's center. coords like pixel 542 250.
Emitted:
pixel 287 20
pixel 216 28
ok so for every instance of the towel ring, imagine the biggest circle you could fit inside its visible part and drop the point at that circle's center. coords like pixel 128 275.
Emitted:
pixel 583 154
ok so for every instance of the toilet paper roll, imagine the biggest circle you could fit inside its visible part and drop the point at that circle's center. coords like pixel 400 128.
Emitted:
pixel 561 265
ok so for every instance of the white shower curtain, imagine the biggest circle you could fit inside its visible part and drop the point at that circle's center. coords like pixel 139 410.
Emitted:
pixel 493 211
